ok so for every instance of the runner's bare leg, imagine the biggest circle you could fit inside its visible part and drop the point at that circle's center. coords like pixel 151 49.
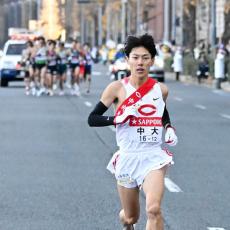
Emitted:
pixel 129 198
pixel 153 187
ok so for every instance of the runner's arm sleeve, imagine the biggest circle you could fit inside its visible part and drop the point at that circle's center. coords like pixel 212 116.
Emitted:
pixel 166 119
pixel 96 118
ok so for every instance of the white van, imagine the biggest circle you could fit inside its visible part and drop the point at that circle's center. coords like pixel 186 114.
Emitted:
pixel 12 55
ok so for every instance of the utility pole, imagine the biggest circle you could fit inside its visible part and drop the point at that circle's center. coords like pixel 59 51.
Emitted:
pixel 128 18
pixel 108 17
pixel 82 24
pixel 166 20
pixel 213 24
pixel 138 17
pixel 123 20
pixel 38 9
pixel 173 32
pixel 93 32
pixel 99 24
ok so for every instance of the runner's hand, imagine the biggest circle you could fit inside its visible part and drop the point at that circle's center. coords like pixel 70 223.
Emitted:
pixel 170 136
pixel 130 111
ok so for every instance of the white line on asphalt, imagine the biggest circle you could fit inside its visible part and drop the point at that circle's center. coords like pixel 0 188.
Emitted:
pixel 112 128
pixel 96 73
pixel 87 103
pixel 225 115
pixel 186 84
pixel 171 186
pixel 200 106
pixel 215 228
pixel 220 92
pixel 178 99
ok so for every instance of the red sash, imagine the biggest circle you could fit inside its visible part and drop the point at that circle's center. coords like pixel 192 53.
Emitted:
pixel 136 96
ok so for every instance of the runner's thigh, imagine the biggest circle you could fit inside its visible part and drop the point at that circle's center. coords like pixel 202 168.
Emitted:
pixel 153 185
pixel 129 198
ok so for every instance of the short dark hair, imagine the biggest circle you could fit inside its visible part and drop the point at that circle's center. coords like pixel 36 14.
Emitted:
pixel 145 40
pixel 30 43
pixel 52 42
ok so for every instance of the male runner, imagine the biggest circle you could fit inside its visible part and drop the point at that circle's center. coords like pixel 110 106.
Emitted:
pixel 75 67
pixel 88 66
pixel 62 66
pixel 140 118
pixel 52 60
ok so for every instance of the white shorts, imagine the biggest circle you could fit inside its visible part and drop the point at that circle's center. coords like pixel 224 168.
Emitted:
pixel 130 169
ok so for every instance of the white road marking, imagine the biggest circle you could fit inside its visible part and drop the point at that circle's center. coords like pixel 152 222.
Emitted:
pixel 200 106
pixel 215 228
pixel 87 103
pixel 220 92
pixel 96 73
pixel 171 186
pixel 112 128
pixel 186 84
pixel 225 115
pixel 178 99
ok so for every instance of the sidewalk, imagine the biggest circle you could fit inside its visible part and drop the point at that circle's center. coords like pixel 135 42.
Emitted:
pixel 210 83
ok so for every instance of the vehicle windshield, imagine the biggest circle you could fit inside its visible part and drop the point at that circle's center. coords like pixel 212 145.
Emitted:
pixel 15 49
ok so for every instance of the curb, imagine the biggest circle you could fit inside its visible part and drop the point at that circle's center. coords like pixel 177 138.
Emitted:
pixel 210 83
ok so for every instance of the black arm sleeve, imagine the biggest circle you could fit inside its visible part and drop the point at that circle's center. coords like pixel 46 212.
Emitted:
pixel 166 119
pixel 96 119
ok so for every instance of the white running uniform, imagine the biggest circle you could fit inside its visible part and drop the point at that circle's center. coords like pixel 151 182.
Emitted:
pixel 139 140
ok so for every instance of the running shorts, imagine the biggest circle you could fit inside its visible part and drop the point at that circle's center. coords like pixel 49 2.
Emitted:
pixel 130 169
pixel 88 69
pixel 39 66
pixel 73 66
pixel 52 70
pixel 61 69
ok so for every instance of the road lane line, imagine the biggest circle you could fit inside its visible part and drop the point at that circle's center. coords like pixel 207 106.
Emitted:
pixel 178 99
pixel 88 104
pixel 186 84
pixel 171 186
pixel 215 228
pixel 225 115
pixel 96 73
pixel 112 128
pixel 200 106
pixel 219 92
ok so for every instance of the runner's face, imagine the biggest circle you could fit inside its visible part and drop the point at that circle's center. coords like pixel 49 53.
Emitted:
pixel 140 61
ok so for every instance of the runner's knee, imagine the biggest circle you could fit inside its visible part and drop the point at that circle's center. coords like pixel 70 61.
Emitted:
pixel 154 210
pixel 131 220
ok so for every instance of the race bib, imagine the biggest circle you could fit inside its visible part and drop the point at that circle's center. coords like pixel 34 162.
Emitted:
pixel 146 129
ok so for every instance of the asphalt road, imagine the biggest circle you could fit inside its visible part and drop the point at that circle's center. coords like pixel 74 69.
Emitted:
pixel 52 165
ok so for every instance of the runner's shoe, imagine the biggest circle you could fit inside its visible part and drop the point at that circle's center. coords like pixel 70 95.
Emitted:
pixel 27 92
pixel 129 227
pixel 55 87
pixel 40 92
pixel 33 91
pixel 50 93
